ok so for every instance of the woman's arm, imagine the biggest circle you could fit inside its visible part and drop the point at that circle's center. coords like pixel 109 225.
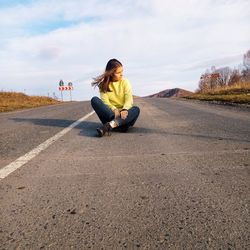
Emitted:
pixel 128 103
pixel 106 101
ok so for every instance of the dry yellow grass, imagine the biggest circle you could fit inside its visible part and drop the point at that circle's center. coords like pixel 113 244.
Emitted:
pixel 237 93
pixel 233 89
pixel 10 101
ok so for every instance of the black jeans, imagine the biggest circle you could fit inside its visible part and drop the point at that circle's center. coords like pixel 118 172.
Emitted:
pixel 105 114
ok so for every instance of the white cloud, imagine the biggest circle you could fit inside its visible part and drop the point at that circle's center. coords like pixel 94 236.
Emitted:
pixel 162 44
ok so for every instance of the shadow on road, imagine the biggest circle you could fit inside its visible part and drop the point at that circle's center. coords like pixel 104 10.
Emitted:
pixel 88 128
pixel 62 123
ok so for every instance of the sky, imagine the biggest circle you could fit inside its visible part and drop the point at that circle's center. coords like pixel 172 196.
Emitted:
pixel 162 44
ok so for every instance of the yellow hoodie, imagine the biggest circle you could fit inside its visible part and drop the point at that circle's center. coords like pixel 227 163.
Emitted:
pixel 120 95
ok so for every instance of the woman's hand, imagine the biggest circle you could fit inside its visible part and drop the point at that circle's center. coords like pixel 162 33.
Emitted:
pixel 124 114
pixel 117 113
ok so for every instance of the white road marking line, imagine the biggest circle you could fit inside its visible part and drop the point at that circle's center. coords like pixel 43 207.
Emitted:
pixel 5 171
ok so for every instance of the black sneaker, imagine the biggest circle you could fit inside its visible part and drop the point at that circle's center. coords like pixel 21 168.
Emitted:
pixel 122 129
pixel 106 128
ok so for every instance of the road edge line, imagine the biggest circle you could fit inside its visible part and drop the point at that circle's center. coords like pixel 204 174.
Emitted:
pixel 19 162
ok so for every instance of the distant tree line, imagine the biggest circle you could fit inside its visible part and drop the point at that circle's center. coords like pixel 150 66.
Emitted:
pixel 225 76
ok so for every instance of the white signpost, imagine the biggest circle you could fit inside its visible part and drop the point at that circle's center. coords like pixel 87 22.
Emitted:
pixel 70 86
pixel 61 84
pixel 65 88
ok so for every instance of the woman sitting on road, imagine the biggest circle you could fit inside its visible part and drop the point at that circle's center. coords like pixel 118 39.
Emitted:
pixel 115 108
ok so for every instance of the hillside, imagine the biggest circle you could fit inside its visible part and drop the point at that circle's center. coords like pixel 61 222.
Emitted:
pixel 10 101
pixel 176 92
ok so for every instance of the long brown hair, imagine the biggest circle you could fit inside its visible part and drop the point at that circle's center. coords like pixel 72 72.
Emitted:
pixel 103 80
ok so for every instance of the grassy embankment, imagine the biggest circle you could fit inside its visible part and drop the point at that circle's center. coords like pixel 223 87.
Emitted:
pixel 238 93
pixel 10 101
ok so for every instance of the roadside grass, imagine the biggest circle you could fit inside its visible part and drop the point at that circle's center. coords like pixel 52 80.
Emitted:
pixel 10 101
pixel 238 93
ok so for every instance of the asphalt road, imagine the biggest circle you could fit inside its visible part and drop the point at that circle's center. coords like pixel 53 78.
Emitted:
pixel 180 179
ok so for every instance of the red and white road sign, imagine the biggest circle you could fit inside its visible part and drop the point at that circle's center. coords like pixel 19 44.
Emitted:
pixel 66 88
